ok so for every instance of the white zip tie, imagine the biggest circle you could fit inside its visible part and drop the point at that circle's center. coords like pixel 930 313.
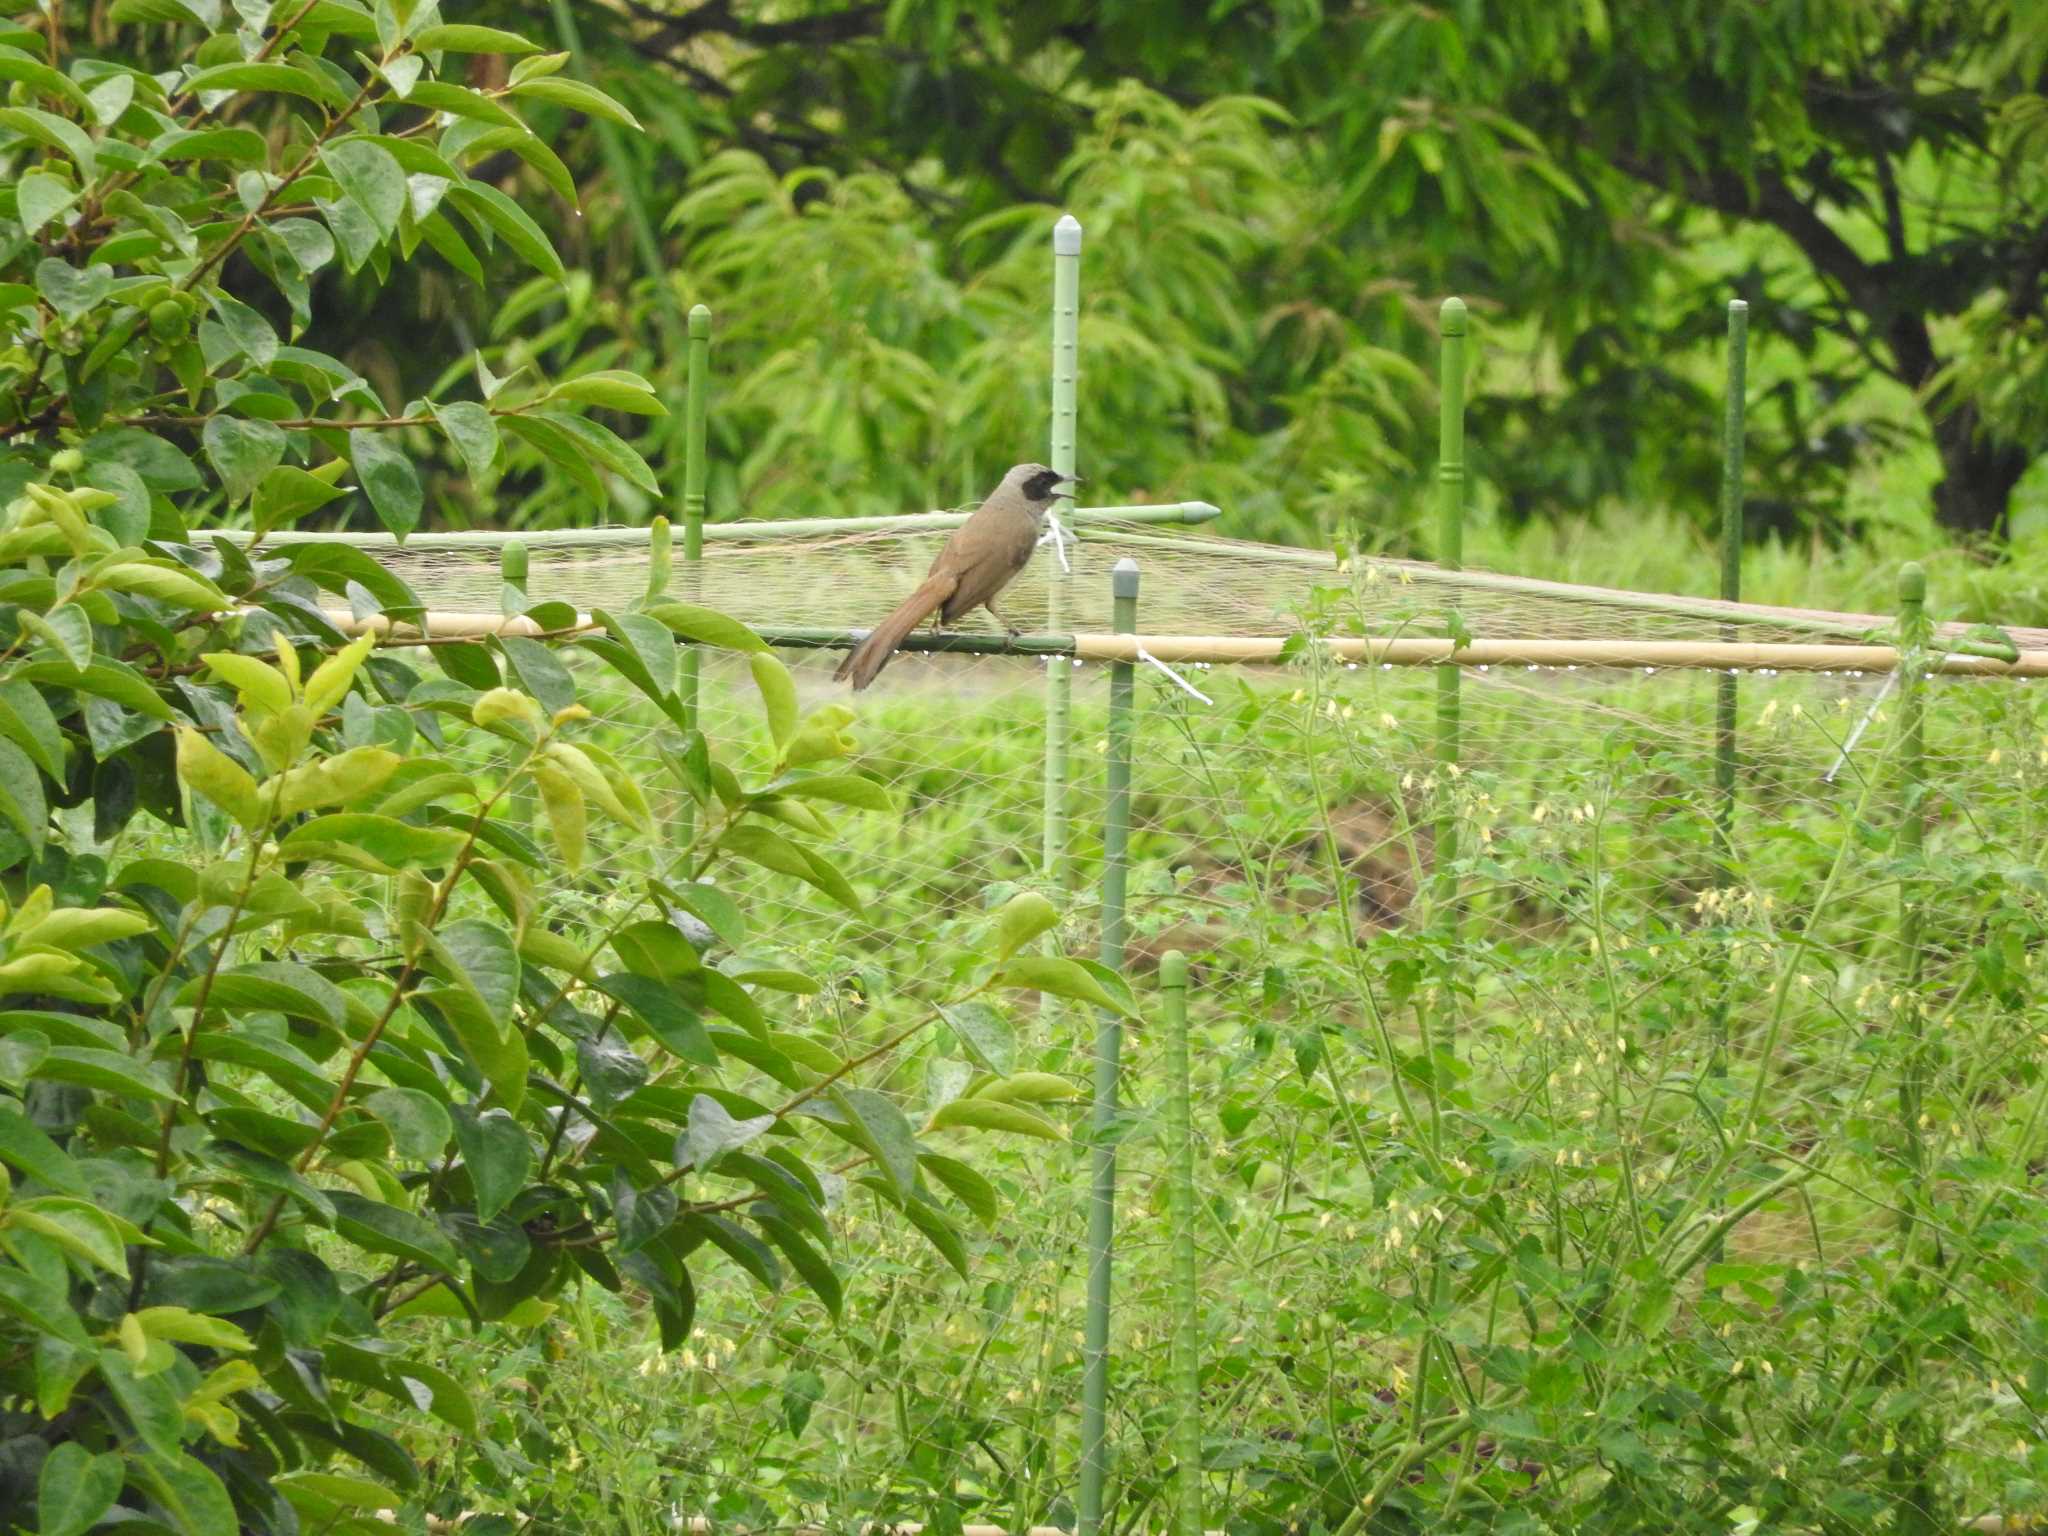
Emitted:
pixel 1870 714
pixel 1059 537
pixel 1178 681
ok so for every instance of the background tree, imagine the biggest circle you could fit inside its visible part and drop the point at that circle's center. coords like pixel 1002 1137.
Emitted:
pixel 1866 174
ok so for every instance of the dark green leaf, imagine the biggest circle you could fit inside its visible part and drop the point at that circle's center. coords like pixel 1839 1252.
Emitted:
pixel 387 1229
pixel 388 479
pixel 498 1155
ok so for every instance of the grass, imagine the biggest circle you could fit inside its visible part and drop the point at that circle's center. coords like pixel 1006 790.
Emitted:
pixel 1703 1221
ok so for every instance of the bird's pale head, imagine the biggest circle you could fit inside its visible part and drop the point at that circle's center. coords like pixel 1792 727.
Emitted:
pixel 1039 485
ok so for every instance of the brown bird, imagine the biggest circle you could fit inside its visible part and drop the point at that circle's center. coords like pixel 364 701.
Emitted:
pixel 984 555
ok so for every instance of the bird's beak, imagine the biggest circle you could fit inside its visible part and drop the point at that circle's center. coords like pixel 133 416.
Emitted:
pixel 1071 480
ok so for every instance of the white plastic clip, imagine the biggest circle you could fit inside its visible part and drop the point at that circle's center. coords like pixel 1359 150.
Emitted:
pixel 1870 714
pixel 1059 537
pixel 1175 678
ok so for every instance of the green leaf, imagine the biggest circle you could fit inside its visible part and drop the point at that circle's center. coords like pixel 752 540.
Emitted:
pixel 540 672
pixel 31 71
pixel 391 843
pixel 1061 977
pixel 577 96
pixel 243 452
pixel 745 1249
pixel 884 1132
pixel 666 1016
pixel 705 627
pixel 324 1495
pixel 995 1115
pixel 288 493
pixel 486 204
pixel 236 146
pixel 456 38
pixel 189 1493
pixel 25 720
pixel 21 796
pixel 812 1267
pixel 387 1229
pixel 713 908
pixel 968 1186
pixel 442 96
pixel 70 292
pixel 938 1231
pixel 77 1226
pixel 656 950
pixel 473 431
pixel 611 1069
pixel 800 1393
pixel 42 1305
pixel 778 695
pixel 40 198
pixel 984 1034
pixel 838 788
pixel 420 1126
pixel 112 1072
pixel 1020 920
pixel 712 1132
pixel 277 79
pixel 107 679
pixel 601 446
pixel 60 134
pixel 151 1404
pixel 75 1488
pixel 771 850
pixel 652 645
pixel 372 178
pixel 246 328
pixel 388 479
pixel 24 1144
pixel 481 965
pixel 612 389
pixel 497 1154
pixel 273 986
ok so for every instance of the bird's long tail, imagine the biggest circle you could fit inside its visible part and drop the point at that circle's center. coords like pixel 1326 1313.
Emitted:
pixel 866 660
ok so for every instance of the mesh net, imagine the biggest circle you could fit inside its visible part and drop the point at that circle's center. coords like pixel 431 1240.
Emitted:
pixel 1195 584
pixel 1667 1042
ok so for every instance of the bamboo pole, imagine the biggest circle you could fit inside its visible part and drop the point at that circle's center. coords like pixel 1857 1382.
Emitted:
pixel 1059 682
pixel 1256 650
pixel 1186 1367
pixel 1116 832
pixel 1813 621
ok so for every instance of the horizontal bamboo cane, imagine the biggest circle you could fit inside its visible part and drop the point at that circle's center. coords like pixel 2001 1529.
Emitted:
pixel 1226 650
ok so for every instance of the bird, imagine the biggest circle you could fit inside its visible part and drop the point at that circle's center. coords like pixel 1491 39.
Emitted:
pixel 980 558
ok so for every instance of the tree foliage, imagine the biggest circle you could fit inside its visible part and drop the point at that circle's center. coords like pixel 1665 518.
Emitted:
pixel 1865 175
pixel 301 1035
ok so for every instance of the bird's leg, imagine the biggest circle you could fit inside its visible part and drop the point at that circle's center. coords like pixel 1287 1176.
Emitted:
pixel 1008 628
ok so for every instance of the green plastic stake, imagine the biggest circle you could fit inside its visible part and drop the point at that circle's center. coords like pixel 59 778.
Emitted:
pixel 1914 635
pixel 1450 554
pixel 694 412
pixel 1727 685
pixel 1059 682
pixel 1186 1366
pixel 661 558
pixel 512 564
pixel 1731 573
pixel 1116 833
